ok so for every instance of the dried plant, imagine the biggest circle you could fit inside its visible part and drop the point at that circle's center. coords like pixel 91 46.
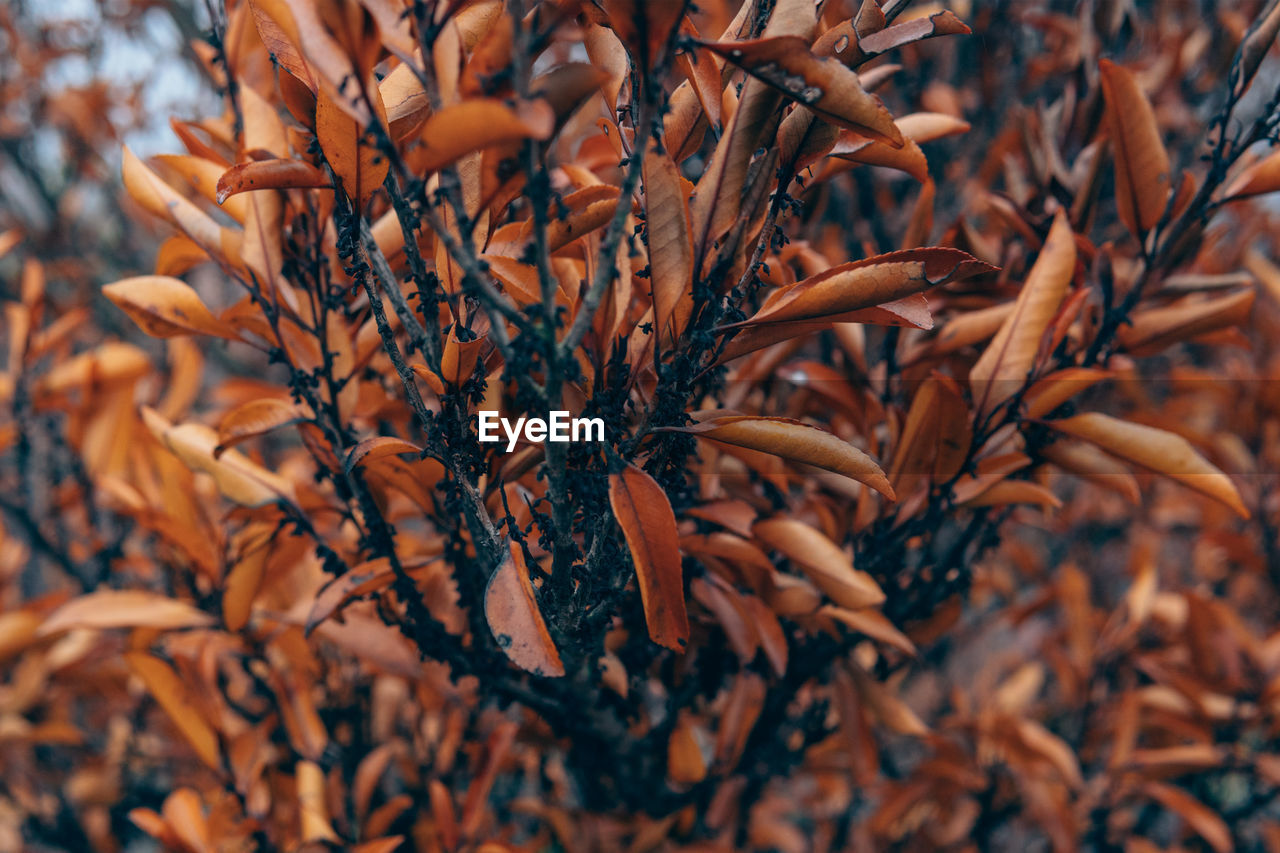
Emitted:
pixel 935 505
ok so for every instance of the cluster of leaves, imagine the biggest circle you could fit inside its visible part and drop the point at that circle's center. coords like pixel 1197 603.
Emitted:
pixel 848 569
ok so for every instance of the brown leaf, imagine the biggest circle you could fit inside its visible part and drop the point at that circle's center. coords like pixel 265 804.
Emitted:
pixel 1143 181
pixel 269 175
pixel 351 148
pixel 124 608
pixel 649 526
pixel 378 447
pixel 823 85
pixel 511 610
pixel 1156 450
pixel 476 124
pixel 866 283
pixel 1008 360
pixel 795 441
pixel 1203 820
pixel 670 240
pixel 824 562
pixel 173 696
pixel 166 307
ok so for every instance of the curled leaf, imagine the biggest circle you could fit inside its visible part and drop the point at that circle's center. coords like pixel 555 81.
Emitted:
pixel 269 175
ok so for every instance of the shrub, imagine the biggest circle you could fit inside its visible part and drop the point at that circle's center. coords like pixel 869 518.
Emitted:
pixel 847 569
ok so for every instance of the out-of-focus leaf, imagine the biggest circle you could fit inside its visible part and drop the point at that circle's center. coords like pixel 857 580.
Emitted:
pixel 1203 820
pixel 124 608
pixel 1156 450
pixel 822 561
pixel 1155 329
pixel 172 695
pixel 239 479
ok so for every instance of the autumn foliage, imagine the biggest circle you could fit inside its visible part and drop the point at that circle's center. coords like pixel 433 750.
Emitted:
pixel 936 507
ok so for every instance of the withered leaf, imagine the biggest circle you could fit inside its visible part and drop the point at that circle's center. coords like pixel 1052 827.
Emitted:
pixel 649 526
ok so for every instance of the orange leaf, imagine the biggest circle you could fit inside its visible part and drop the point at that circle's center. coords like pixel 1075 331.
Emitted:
pixel 822 560
pixel 174 698
pixel 866 283
pixel 824 85
pixel 670 239
pixel 513 616
pixel 165 307
pixel 124 608
pixel 160 199
pixel 255 418
pixel 351 148
pixel 472 125
pixel 269 175
pixel 239 479
pixel 1008 360
pixel 795 441
pixel 649 525
pixel 1156 450
pixel 1142 165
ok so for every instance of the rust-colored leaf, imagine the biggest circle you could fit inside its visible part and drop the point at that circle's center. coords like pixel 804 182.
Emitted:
pixel 1008 360
pixel 1156 450
pixel 166 307
pixel 1143 176
pixel 647 522
pixel 511 609
pixel 862 284
pixel 797 442
pixel 269 175
pixel 670 239
pixel 124 608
